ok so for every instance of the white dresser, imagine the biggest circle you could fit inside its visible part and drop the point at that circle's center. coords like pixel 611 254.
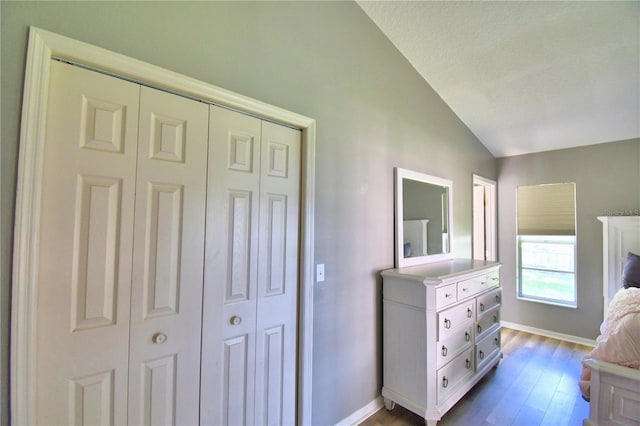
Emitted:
pixel 441 333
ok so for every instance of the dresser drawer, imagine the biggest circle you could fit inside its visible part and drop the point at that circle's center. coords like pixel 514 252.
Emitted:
pixel 488 301
pixel 457 342
pixel 487 323
pixel 487 348
pixel 445 296
pixel 472 286
pixel 453 374
pixel 455 317
pixel 493 278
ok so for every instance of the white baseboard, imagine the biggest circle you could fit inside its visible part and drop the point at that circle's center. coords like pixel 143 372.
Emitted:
pixel 546 333
pixel 363 413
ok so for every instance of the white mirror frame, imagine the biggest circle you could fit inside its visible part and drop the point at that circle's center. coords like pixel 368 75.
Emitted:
pixel 399 175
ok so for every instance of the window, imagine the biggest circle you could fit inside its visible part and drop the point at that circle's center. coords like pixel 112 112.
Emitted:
pixel 547 268
pixel 546 243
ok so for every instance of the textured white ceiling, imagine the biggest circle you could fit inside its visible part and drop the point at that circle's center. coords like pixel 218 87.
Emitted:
pixel 526 76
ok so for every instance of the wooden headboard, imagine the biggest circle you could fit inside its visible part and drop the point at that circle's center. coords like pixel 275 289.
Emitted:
pixel 621 234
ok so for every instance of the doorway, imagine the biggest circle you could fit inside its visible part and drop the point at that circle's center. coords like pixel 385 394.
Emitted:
pixel 484 219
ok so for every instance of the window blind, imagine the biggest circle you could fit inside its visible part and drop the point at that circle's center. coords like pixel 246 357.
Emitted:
pixel 546 209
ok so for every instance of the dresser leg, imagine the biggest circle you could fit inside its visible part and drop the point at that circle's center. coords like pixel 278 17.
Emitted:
pixel 430 422
pixel 388 404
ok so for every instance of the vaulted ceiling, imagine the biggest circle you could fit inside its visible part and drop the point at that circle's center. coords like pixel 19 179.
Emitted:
pixel 525 76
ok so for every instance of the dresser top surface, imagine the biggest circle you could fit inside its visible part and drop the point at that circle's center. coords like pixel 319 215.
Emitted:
pixel 441 271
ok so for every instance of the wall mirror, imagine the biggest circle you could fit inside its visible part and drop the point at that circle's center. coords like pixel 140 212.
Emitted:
pixel 423 218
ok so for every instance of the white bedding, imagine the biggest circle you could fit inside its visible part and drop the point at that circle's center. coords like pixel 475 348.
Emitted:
pixel 619 342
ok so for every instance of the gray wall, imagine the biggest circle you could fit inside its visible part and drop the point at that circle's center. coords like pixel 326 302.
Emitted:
pixel 607 178
pixel 325 60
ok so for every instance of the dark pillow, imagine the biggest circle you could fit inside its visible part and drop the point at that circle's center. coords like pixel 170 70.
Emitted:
pixel 631 271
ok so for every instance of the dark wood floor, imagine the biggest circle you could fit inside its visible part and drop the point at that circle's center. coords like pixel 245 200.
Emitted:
pixel 536 383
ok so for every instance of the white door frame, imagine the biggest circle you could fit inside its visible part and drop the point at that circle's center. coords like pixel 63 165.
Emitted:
pixel 43 46
pixel 490 214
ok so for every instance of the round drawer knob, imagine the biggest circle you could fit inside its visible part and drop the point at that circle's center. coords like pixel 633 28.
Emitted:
pixel 159 338
pixel 235 320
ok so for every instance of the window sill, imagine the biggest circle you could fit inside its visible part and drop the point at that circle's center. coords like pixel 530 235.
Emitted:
pixel 548 302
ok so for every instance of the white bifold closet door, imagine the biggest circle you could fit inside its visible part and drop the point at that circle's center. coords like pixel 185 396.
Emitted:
pixel 251 272
pixel 168 259
pixel 120 254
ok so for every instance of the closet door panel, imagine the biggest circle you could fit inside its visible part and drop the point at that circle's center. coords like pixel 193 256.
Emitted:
pixel 276 326
pixel 91 401
pixel 158 402
pixel 238 280
pixel 236 392
pixel 166 310
pixel 85 247
pixel 93 284
pixel 229 318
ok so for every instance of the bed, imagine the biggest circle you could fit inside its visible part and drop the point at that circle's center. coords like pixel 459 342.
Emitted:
pixel 615 390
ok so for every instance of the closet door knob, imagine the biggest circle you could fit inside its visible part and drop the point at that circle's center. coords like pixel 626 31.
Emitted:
pixel 159 338
pixel 235 320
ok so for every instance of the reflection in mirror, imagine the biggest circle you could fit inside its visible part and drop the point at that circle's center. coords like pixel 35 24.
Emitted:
pixel 423 218
pixel 424 208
